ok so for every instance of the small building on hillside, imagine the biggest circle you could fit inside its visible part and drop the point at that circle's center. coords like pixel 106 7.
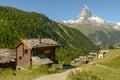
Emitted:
pixel 90 57
pixel 30 52
pixel 93 54
pixel 80 60
pixel 102 53
pixel 7 58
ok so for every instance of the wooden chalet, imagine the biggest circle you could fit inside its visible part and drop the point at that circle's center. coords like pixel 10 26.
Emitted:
pixel 35 52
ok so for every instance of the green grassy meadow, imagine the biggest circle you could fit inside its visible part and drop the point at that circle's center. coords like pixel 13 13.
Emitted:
pixel 28 74
pixel 107 68
pixel 111 59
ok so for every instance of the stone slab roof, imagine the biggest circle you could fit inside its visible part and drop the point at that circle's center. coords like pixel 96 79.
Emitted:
pixel 7 55
pixel 33 43
pixel 40 60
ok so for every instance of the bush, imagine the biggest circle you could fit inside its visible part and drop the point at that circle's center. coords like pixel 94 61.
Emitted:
pixel 111 47
pixel 44 69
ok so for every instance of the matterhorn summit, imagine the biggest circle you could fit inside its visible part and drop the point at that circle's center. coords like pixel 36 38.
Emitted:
pixel 85 13
pixel 86 17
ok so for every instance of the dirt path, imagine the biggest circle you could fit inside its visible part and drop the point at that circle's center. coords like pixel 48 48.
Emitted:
pixel 57 76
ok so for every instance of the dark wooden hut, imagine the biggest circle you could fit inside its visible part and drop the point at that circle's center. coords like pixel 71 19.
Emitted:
pixel 30 52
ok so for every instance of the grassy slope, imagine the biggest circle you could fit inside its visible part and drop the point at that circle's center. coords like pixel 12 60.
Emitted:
pixel 8 74
pixel 111 59
pixel 107 68
pixel 102 72
pixel 111 66
pixel 29 74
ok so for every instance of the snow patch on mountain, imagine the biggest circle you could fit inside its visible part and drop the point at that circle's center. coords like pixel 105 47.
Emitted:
pixel 96 19
pixel 116 27
pixel 118 23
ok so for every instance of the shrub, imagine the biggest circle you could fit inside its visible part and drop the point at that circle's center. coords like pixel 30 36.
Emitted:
pixel 111 47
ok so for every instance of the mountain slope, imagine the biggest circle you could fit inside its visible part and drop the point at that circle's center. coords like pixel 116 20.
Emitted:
pixel 95 28
pixel 111 59
pixel 16 24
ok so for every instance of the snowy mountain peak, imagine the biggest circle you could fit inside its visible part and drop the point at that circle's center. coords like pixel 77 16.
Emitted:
pixel 85 13
pixel 87 17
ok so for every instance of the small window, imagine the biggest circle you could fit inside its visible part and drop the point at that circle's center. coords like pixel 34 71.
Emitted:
pixel 25 51
pixel 20 57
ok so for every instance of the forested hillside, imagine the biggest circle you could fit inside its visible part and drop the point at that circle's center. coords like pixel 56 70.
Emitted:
pixel 17 24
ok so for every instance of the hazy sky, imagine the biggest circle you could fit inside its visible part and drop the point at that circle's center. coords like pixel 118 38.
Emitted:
pixel 68 9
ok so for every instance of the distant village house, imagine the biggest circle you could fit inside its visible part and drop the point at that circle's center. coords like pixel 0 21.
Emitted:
pixel 102 53
pixel 92 54
pixel 31 52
